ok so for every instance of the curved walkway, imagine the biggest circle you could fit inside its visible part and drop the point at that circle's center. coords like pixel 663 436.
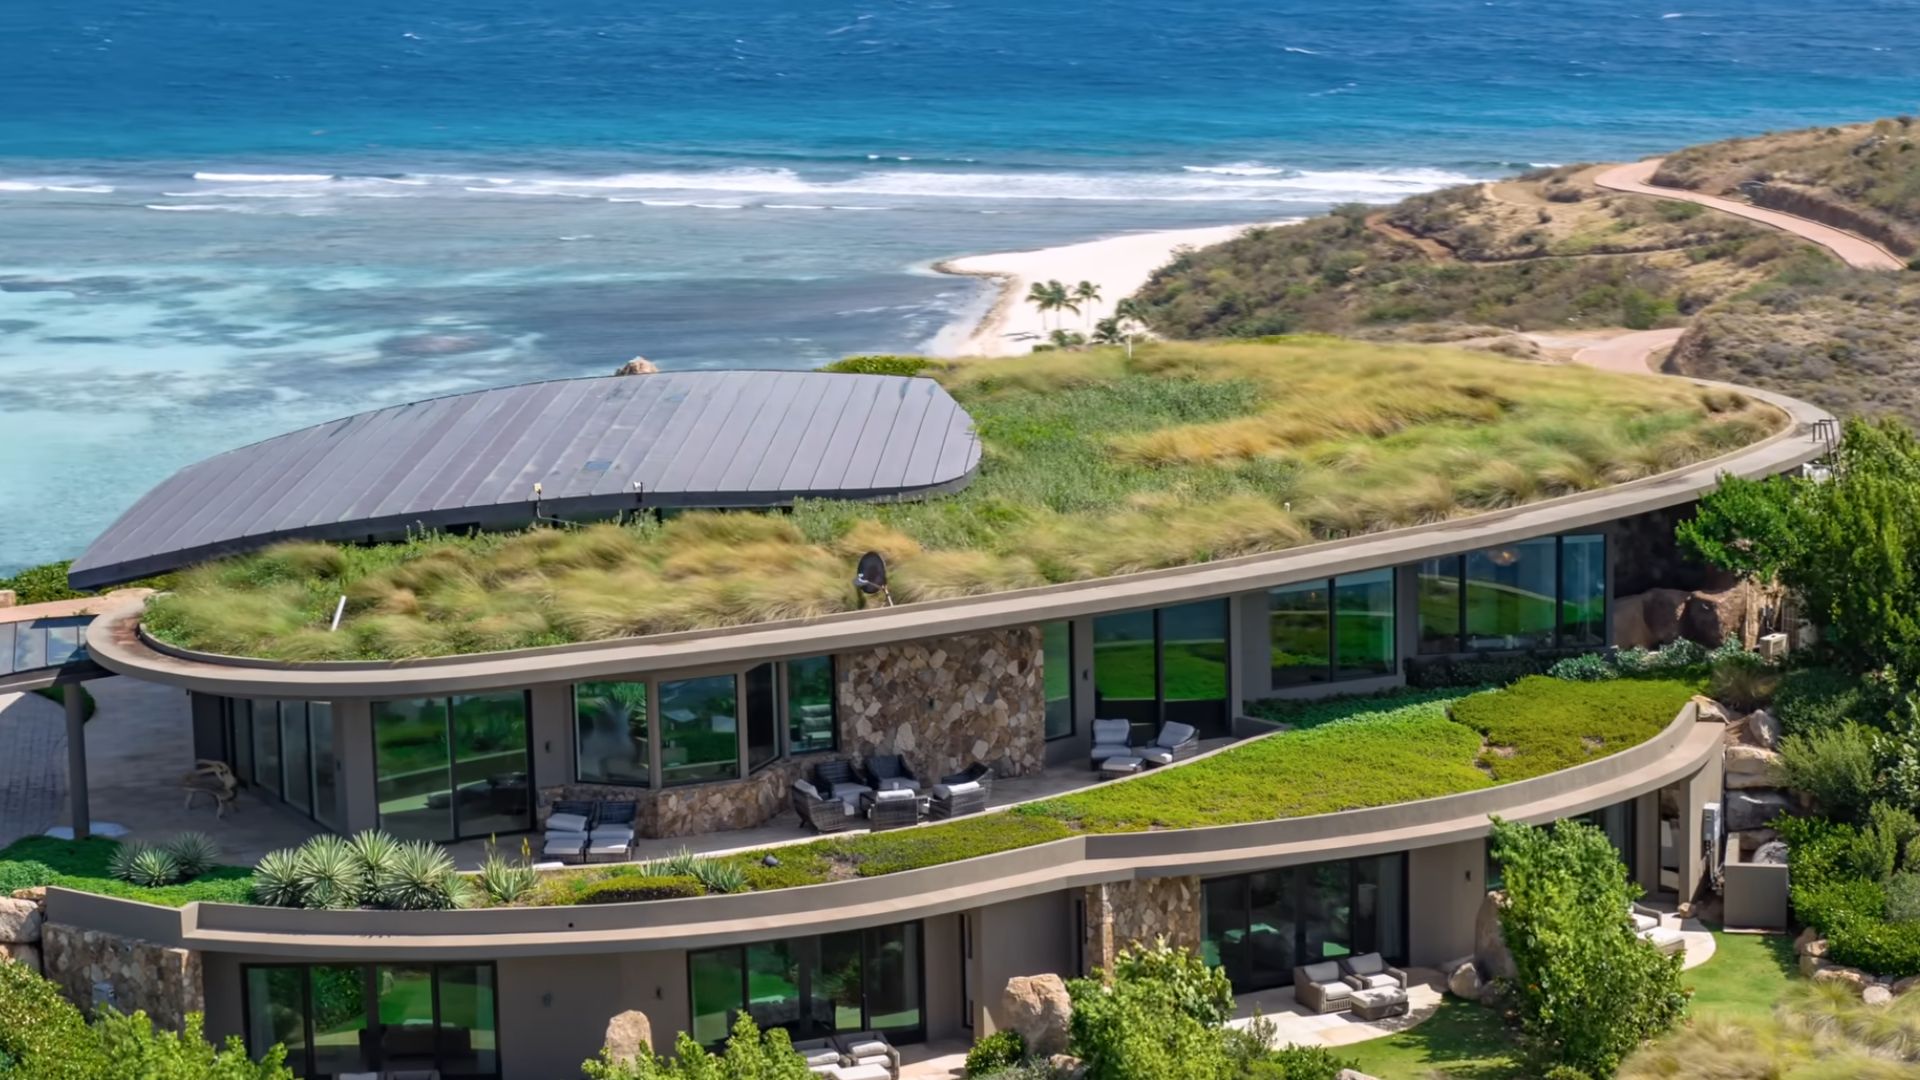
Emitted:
pixel 1631 353
pixel 1854 250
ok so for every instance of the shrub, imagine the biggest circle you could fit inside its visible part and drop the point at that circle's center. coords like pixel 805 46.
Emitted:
pixel 1589 990
pixel 194 853
pixel 1822 698
pixel 132 1046
pixel 140 864
pixel 1587 667
pixel 16 874
pixel 626 888
pixel 1302 1063
pixel 717 876
pixel 1903 897
pixel 1837 766
pixel 750 1055
pixel 506 880
pixel 1199 990
pixel 879 364
pixel 995 1052
pixel 1740 679
pixel 331 873
pixel 1145 1022
pixel 1473 672
pixel 42 1036
pixel 422 877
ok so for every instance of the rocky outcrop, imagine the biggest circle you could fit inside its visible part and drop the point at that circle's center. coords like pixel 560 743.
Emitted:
pixel 639 365
pixel 1648 620
pixel 946 703
pixel 1713 617
pixel 1038 1009
pixel 1763 729
pixel 19 921
pixel 95 968
pixel 1490 950
pixel 1463 979
pixel 1122 914
pixel 1749 767
pixel 1756 809
pixel 1819 206
pixel 629 1036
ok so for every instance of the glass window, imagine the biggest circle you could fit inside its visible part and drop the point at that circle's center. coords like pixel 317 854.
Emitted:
pixel 266 744
pixel 1273 926
pixel 1193 664
pixel 240 737
pixel 1363 624
pixel 1438 589
pixel 892 978
pixel 610 733
pixel 773 987
pixel 404 1013
pixel 1510 595
pixel 29 647
pixel 1125 680
pixel 763 723
pixel 411 768
pixel 699 730
pixel 293 752
pixel 1379 902
pixel 490 766
pixel 1583 591
pixel 840 974
pixel 810 705
pixel 326 776
pixel 1298 622
pixel 8 643
pixel 339 1005
pixel 469 1041
pixel 66 640
pixel 1326 912
pixel 277 1012
pixel 1223 927
pixel 718 986
pixel 1056 671
pixel 1259 926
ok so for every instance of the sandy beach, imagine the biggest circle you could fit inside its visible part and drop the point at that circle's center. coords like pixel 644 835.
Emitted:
pixel 1118 265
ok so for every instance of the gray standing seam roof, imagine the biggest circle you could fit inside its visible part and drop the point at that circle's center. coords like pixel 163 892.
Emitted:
pixel 596 447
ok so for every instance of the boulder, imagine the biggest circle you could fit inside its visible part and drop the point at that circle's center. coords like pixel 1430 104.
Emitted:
pixel 1038 1008
pixel 629 1034
pixel 1877 995
pixel 1903 987
pixel 1711 618
pixel 1647 620
pixel 1752 767
pixel 1756 809
pixel 1853 977
pixel 1066 1067
pixel 1771 853
pixel 1811 966
pixel 1806 938
pixel 1763 729
pixel 639 365
pixel 1711 711
pixel 1464 982
pixel 19 922
pixel 28 955
pixel 1489 947
pixel 35 893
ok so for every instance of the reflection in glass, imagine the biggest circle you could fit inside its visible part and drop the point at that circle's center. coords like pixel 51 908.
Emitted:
pixel 699 730
pixel 1056 671
pixel 812 986
pixel 1583 591
pixel 810 698
pixel 610 733
pixel 1363 624
pixel 717 988
pixel 240 737
pixel 1193 664
pixel 893 977
pixel 469 1043
pixel 1510 595
pixel 490 766
pixel 1223 928
pixel 438 1019
pixel 763 723
pixel 1260 926
pixel 1297 620
pixel 1125 681
pixel 1326 913
pixel 404 1011
pixel 293 752
pixel 1438 592
pixel 66 640
pixel 773 987
pixel 411 768
pixel 276 1011
pixel 266 744
pixel 339 1005
pixel 841 983
pixel 326 779
pixel 1272 928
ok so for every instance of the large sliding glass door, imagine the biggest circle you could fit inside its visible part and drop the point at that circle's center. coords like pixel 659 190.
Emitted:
pixel 1530 594
pixel 287 747
pixel 452 768
pixel 386 1018
pixel 858 980
pixel 1261 926
pixel 1150 667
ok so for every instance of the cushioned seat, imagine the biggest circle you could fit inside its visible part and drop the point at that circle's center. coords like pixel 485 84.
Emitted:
pixel 1321 988
pixel 1370 971
pixel 1121 765
pixel 1175 741
pixel 1111 739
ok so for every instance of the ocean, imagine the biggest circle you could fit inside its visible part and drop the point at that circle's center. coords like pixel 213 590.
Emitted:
pixel 222 220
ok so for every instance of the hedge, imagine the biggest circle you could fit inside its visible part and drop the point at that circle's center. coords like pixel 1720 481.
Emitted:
pixel 1832 868
pixel 629 887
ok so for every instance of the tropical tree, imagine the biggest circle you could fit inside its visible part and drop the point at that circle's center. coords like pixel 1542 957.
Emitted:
pixel 1049 296
pixel 1108 331
pixel 1086 293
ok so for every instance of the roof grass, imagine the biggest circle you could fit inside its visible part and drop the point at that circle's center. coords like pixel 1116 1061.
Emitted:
pixel 1093 464
pixel 1362 752
pixel 81 865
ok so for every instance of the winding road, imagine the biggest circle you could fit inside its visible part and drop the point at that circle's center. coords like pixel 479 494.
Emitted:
pixel 1852 249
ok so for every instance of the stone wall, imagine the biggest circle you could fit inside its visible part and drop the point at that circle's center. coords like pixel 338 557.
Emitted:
pixel 1124 913
pixel 95 968
pixel 716 806
pixel 947 702
pixel 21 920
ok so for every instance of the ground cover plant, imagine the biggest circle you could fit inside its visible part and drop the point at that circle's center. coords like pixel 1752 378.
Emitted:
pixel 88 866
pixel 1093 464
pixel 1347 755
pixel 750 1054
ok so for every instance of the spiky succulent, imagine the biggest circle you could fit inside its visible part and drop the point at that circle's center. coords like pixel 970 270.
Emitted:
pixel 195 852
pixel 506 880
pixel 331 872
pixel 154 867
pixel 420 877
pixel 376 851
pixel 276 880
pixel 120 863
pixel 679 864
pixel 718 876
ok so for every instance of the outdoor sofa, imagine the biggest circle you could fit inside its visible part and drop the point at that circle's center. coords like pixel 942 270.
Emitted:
pixel 867 1049
pixel 962 793
pixel 1321 988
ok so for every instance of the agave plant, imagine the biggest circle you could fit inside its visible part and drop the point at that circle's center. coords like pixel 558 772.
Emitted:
pixel 420 877
pixel 195 852
pixel 719 877
pixel 120 863
pixel 682 863
pixel 506 880
pixel 276 880
pixel 153 867
pixel 331 873
pixel 376 851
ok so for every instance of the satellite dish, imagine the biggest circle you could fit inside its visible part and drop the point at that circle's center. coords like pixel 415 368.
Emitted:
pixel 871 576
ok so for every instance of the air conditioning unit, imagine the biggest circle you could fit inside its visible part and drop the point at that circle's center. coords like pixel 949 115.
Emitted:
pixel 1711 834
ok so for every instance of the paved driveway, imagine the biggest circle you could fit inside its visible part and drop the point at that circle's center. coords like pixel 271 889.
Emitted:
pixel 33 765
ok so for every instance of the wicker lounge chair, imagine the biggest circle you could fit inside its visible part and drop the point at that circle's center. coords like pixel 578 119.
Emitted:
pixel 568 826
pixel 838 780
pixel 611 839
pixel 823 1058
pixel 821 810
pixel 869 1048
pixel 1321 988
pixel 965 792
pixel 1111 739
pixel 894 809
pixel 1175 742
pixel 890 772
pixel 1370 971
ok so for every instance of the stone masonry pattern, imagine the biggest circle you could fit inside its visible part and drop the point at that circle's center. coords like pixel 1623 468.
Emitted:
pixel 947 702
pixel 92 968
pixel 1125 913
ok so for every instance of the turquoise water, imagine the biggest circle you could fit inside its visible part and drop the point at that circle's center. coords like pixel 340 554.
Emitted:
pixel 221 220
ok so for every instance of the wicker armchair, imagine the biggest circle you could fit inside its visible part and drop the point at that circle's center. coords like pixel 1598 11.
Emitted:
pixel 821 811
pixel 897 810
pixel 890 772
pixel 962 793
pixel 566 837
pixel 869 1048
pixel 1369 971
pixel 1321 988
pixel 1175 742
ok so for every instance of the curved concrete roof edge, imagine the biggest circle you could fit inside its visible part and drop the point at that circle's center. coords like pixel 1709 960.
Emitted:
pixel 1678 751
pixel 118 643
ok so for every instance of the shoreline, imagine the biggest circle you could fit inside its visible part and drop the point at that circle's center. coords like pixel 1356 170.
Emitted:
pixel 1118 264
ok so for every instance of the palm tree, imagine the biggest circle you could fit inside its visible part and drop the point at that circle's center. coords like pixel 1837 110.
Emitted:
pixel 1107 331
pixel 1128 318
pixel 1049 296
pixel 1087 293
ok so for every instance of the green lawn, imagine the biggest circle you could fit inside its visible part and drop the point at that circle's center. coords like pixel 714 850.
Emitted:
pixel 1748 975
pixel 82 866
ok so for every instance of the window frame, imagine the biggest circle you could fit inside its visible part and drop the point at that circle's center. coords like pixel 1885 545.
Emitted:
pixel 1331 671
pixel 784 705
pixel 1300 883
pixel 868 939
pixel 573 699
pixel 369 973
pixel 445 702
pixel 1559 633
pixel 1073 684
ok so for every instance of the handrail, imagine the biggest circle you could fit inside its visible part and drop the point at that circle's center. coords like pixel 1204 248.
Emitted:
pixel 1677 751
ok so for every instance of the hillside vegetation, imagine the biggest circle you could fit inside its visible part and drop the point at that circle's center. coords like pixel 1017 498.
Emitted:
pixel 1093 464
pixel 1862 177
pixel 1546 251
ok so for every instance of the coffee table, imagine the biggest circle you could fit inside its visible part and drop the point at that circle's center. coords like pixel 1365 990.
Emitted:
pixel 1379 1002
